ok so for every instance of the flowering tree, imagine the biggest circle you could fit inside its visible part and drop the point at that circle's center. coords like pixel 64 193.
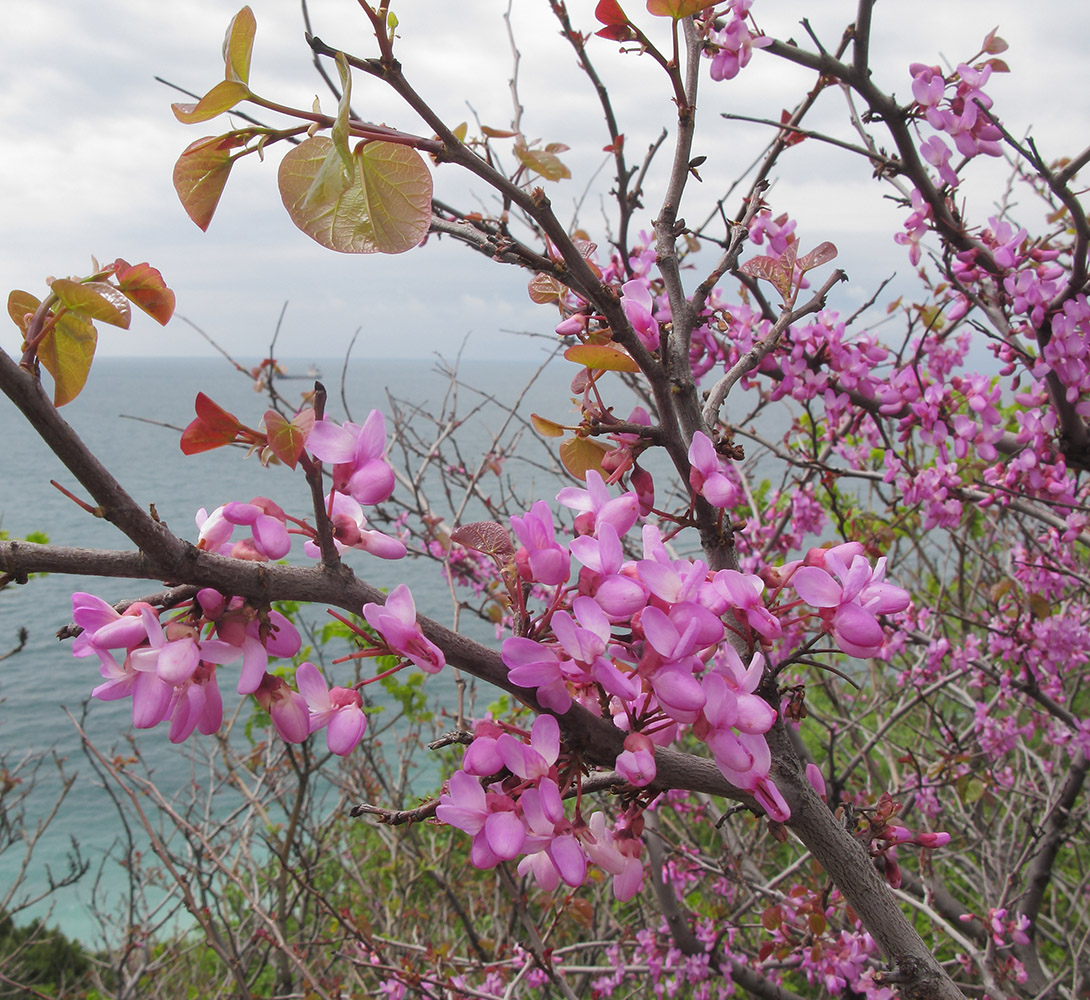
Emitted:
pixel 682 629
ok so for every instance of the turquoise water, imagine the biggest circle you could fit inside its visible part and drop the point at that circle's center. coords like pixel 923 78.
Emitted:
pixel 43 680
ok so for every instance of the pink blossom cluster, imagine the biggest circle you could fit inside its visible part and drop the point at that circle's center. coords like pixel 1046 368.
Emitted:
pixel 168 667
pixel 962 115
pixel 731 47
pixel 522 814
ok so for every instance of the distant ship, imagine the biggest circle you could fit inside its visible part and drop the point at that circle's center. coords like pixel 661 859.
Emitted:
pixel 312 372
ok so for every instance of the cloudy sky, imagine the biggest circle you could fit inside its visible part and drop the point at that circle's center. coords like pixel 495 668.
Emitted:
pixel 89 145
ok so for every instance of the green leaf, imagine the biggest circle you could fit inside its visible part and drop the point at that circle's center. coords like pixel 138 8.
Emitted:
pixel 542 161
pixel 287 439
pixel 601 358
pixel 94 300
pixel 143 285
pixel 238 45
pixel 20 304
pixel 339 132
pixel 222 97
pixel 580 454
pixel 200 176
pixel 676 9
pixel 66 352
pixel 546 427
pixel 385 206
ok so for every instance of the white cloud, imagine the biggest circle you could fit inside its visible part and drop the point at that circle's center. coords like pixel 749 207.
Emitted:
pixel 90 145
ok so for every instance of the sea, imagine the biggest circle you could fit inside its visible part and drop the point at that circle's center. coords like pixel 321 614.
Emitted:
pixel 129 415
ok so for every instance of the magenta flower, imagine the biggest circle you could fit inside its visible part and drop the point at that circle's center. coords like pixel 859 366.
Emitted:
pixel 850 597
pixel 597 507
pixel 339 711
pixel 707 475
pixel 356 452
pixel 267 524
pixel 639 307
pixel 541 559
pixel 396 623
pixel 532 665
pixel 350 531
pixel 636 763
pixel 489 818
pixel 197 705
pixel 287 708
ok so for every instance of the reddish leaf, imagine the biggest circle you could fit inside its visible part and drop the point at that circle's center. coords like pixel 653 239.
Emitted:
pixel 760 267
pixel 287 439
pixel 997 65
pixel 238 45
pixel 200 176
pixel 993 44
pixel 676 9
pixel 601 358
pixel 617 33
pixel 580 454
pixel 143 285
pixel 609 12
pixel 22 305
pixel 544 288
pixel 793 138
pixel 213 428
pixel 485 536
pixel 93 300
pixel 821 254
pixel 497 133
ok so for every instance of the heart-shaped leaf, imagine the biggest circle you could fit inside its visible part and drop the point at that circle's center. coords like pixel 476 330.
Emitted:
pixel 93 300
pixel 21 306
pixel 676 9
pixel 580 454
pixel 542 161
pixel 238 45
pixel 821 254
pixel 213 428
pixel 545 288
pixel 601 358
pixel 385 207
pixel 143 285
pixel 222 97
pixel 617 26
pixel 488 537
pixel 286 439
pixel 66 352
pixel 200 176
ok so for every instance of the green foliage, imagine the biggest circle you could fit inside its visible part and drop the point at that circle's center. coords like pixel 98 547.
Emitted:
pixel 42 958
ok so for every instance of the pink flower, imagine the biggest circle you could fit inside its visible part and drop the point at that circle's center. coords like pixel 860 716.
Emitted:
pixel 356 453
pixel 339 710
pixel 850 596
pixel 636 763
pixel 267 524
pixel 396 623
pixel 286 708
pixel 350 531
pixel 638 306
pixel 707 476
pixel 541 559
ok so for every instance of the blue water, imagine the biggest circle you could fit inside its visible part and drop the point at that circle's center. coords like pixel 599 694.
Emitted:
pixel 39 683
